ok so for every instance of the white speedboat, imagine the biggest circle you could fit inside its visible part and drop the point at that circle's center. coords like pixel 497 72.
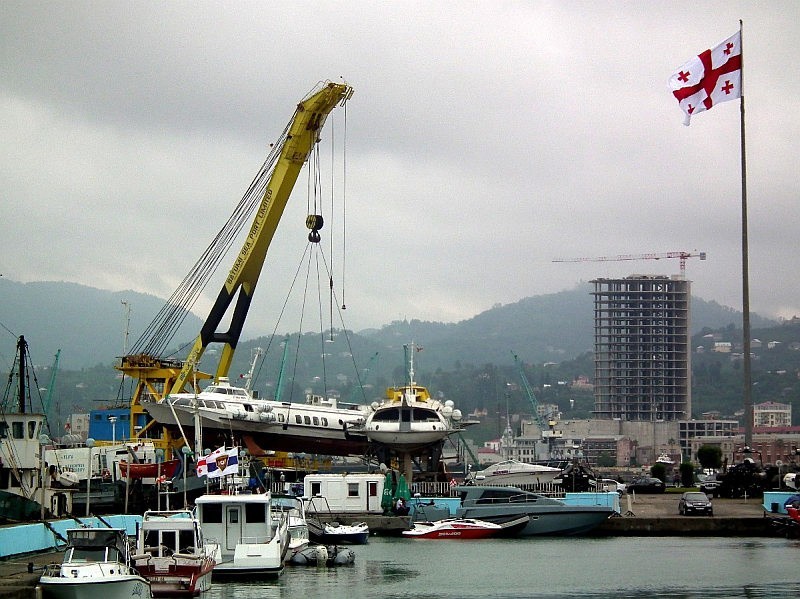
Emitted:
pixel 97 565
pixel 513 472
pixel 170 554
pixel 293 508
pixel 242 534
pixel 409 418
pixel 462 528
pixel 335 533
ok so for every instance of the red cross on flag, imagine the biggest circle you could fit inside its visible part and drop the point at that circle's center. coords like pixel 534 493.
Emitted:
pixel 712 77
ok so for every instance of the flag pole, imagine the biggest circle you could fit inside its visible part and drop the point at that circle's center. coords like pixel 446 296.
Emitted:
pixel 748 400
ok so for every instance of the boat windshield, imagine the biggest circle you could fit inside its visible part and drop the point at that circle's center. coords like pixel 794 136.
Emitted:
pixel 92 554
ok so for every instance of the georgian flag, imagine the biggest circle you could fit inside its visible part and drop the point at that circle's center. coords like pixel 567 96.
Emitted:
pixel 712 77
pixel 202 469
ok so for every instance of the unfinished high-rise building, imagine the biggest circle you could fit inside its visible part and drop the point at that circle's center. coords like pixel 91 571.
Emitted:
pixel 641 346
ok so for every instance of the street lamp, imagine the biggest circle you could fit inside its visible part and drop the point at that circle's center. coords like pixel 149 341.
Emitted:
pixel 113 421
pixel 89 444
pixel 43 441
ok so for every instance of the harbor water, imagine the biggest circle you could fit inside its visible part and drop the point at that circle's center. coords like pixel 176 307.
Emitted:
pixel 619 567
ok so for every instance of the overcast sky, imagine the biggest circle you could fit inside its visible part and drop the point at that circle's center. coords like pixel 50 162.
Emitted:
pixel 484 140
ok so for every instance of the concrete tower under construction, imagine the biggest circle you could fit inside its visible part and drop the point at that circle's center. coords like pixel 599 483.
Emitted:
pixel 641 345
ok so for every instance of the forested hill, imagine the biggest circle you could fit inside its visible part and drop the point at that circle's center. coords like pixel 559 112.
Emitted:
pixel 88 324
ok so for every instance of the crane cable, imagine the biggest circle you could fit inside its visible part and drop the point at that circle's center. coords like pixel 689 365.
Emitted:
pixel 160 332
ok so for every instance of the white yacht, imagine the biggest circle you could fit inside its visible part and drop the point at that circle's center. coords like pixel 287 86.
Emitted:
pixel 242 533
pixel 97 565
pixel 514 472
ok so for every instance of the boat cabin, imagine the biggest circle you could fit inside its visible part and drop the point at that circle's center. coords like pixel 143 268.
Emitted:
pixel 354 493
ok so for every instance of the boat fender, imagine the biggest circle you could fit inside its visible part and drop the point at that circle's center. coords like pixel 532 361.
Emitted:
pixel 322 555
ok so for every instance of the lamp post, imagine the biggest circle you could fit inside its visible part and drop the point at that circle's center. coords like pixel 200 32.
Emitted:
pixel 113 421
pixel 89 444
pixel 43 441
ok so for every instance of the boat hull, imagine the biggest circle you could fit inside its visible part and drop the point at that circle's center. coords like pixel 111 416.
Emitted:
pixel 124 587
pixel 549 523
pixel 179 580
pixel 547 516
pixel 292 437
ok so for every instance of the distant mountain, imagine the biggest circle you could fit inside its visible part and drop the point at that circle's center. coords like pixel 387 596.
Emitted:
pixel 88 325
pixel 554 327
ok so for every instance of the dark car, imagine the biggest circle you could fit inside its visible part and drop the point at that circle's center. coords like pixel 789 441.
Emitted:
pixel 646 484
pixel 710 485
pixel 695 502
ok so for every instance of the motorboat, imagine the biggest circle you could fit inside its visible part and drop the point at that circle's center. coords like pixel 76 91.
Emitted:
pixel 170 554
pixel 97 565
pixel 547 516
pixel 293 508
pixel 514 472
pixel 335 533
pixel 320 425
pixel 408 418
pixel 242 534
pixel 464 528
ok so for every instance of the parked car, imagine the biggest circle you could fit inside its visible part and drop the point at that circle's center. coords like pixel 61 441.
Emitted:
pixel 607 485
pixel 646 484
pixel 695 502
pixel 710 485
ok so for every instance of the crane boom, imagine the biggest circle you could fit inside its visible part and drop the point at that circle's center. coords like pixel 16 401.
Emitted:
pixel 651 256
pixel 303 134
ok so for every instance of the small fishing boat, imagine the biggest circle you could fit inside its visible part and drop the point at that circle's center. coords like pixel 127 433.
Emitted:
pixel 334 533
pixel 464 528
pixel 170 554
pixel 138 470
pixel 97 565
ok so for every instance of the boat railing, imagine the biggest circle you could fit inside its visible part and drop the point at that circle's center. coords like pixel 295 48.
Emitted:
pixel 53 570
pixel 446 489
pixel 257 540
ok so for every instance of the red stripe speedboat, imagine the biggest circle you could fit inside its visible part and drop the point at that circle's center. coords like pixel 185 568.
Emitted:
pixel 454 528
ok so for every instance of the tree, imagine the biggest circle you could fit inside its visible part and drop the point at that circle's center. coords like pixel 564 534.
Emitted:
pixel 659 471
pixel 687 474
pixel 709 456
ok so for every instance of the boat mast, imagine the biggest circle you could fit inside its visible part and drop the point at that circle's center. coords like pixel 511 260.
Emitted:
pixel 410 359
pixel 22 349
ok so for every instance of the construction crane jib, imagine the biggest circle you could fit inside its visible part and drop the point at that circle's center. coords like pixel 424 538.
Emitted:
pixel 682 256
pixel 302 135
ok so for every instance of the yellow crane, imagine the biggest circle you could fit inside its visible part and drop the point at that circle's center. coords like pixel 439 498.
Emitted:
pixel 157 377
